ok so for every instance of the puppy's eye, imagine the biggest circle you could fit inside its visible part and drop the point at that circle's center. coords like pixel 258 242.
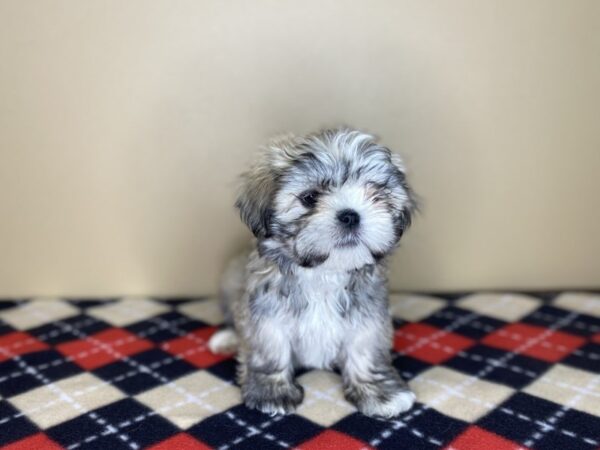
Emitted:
pixel 309 198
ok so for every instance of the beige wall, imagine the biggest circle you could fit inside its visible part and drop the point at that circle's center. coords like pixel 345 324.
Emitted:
pixel 123 124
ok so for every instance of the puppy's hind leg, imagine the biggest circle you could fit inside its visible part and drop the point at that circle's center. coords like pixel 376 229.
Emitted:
pixel 232 287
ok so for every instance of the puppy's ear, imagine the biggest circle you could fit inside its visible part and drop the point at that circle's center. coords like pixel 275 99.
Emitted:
pixel 410 201
pixel 260 184
pixel 254 200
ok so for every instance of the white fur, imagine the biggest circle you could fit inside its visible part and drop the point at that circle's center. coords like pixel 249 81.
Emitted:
pixel 224 341
pixel 399 403
pixel 319 333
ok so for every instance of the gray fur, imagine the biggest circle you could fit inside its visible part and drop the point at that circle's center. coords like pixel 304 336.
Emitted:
pixel 310 294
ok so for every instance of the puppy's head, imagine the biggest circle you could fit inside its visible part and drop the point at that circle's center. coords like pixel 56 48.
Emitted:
pixel 334 199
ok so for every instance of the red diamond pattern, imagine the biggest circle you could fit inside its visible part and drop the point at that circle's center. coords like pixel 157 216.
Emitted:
pixel 103 348
pixel 333 440
pixel 180 441
pixel 36 442
pixel 428 343
pixel 475 438
pixel 538 342
pixel 19 343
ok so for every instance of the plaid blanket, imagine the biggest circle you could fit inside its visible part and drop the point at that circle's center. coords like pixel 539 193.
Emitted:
pixel 491 371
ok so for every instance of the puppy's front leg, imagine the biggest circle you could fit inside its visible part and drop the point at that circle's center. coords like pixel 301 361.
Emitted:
pixel 370 380
pixel 267 374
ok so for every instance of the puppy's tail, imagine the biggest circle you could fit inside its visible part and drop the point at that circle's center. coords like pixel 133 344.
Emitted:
pixel 224 341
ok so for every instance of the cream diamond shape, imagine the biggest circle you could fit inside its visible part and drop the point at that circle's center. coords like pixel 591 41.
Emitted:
pixel 581 302
pixel 39 312
pixel 324 401
pixel 458 395
pixel 61 401
pixel 127 311
pixel 208 311
pixel 507 307
pixel 575 388
pixel 414 308
pixel 188 400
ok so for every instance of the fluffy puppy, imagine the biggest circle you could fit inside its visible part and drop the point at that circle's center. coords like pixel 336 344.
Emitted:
pixel 326 210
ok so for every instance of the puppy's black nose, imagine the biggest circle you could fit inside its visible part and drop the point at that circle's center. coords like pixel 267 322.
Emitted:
pixel 348 218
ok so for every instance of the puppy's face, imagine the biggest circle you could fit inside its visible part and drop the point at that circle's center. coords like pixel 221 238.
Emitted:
pixel 334 199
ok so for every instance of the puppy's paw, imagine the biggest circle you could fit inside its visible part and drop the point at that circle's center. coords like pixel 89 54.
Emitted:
pixel 274 400
pixel 398 403
pixel 224 341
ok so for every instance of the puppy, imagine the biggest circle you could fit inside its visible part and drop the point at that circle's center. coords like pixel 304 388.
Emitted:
pixel 326 210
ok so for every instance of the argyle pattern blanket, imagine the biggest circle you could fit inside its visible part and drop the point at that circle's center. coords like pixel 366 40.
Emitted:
pixel 491 371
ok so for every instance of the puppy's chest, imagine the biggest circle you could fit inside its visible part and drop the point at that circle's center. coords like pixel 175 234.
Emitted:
pixel 320 325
